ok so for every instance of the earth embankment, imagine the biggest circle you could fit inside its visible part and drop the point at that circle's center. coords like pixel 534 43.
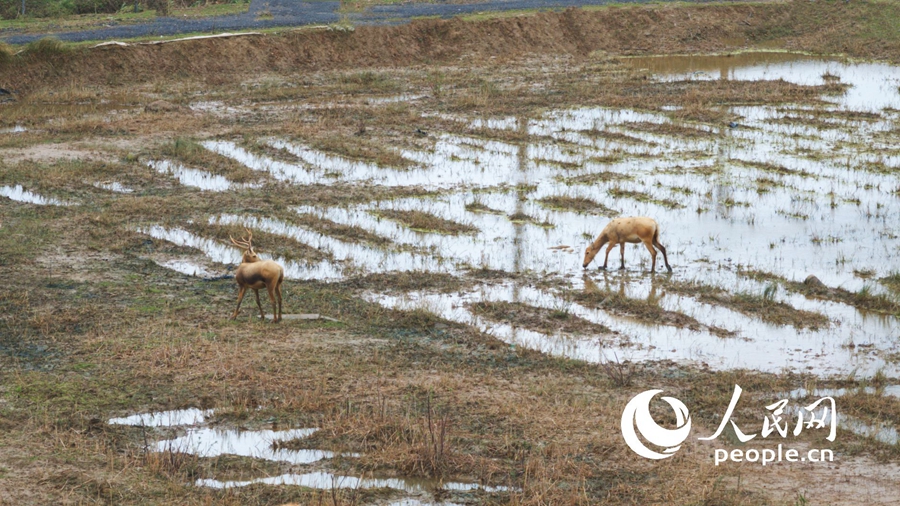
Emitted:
pixel 817 27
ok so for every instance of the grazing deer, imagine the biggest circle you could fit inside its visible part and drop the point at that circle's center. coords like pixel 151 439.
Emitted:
pixel 622 230
pixel 255 273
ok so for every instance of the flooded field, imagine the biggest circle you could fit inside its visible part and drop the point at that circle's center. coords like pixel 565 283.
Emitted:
pixel 749 207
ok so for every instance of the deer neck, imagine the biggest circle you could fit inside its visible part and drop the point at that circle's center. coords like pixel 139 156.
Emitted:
pixel 603 239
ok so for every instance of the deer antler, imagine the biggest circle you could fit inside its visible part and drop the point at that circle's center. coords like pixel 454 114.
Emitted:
pixel 244 243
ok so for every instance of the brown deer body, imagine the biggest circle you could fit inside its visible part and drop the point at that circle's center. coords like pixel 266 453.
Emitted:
pixel 627 230
pixel 257 274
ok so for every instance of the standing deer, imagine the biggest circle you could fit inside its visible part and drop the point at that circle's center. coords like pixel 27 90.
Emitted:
pixel 255 273
pixel 622 230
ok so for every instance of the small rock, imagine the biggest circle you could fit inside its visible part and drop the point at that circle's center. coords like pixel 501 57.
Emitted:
pixel 162 106
pixel 814 282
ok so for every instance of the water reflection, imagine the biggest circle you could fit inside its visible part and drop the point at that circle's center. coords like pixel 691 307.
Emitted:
pixel 20 194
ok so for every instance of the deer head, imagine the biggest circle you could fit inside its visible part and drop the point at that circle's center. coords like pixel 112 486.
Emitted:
pixel 249 256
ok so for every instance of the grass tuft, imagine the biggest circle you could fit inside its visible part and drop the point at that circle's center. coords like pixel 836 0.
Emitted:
pixel 425 222
pixel 48 47
pixel 6 54
pixel 577 204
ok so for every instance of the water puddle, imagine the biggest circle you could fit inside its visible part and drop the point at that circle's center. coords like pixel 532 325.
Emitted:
pixel 20 194
pixel 873 85
pixel 187 267
pixel 229 255
pixel 206 442
pixel 190 416
pixel 801 393
pixel 113 186
pixel 257 444
pixel 216 107
pixel 881 432
pixel 759 345
pixel 323 480
pixel 201 179
pixel 403 97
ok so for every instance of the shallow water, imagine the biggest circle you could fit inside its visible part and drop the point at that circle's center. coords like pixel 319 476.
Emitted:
pixel 873 85
pixel 324 480
pixel 113 186
pixel 760 345
pixel 881 432
pixel 187 267
pixel 792 190
pixel 257 444
pixel 207 442
pixel 205 181
pixel 180 417
pixel 20 194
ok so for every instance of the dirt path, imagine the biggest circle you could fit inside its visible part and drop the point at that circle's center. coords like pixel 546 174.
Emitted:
pixel 286 13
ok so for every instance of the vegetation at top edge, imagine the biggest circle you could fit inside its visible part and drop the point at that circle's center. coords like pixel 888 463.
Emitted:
pixel 37 9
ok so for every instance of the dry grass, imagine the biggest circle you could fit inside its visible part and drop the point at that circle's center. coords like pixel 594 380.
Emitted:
pixel 520 217
pixel 548 321
pixel 597 177
pixel 647 311
pixel 578 204
pixel 863 299
pixel 478 207
pixel 892 282
pixel 778 169
pixel 425 222
pixel 670 129
pixel 352 233
pixel 193 155
pixel 6 54
pixel 761 306
pixel 619 193
pixel 362 149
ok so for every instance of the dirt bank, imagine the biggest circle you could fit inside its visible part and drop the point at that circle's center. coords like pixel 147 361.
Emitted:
pixel 858 30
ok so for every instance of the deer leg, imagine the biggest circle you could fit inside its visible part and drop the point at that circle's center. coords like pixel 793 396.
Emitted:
pixel 652 255
pixel 278 294
pixel 262 315
pixel 622 252
pixel 240 298
pixel 271 290
pixel 608 249
pixel 661 248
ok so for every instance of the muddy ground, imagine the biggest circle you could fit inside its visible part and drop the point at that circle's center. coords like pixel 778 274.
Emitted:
pixel 431 187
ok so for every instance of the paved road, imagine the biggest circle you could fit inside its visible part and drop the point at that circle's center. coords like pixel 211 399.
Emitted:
pixel 286 13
